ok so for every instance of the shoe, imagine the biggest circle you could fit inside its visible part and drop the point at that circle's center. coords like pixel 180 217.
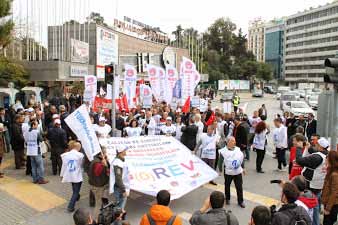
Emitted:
pixel 35 182
pixel 70 210
pixel 43 182
pixel 260 171
pixel 242 205
pixel 213 183
pixel 227 202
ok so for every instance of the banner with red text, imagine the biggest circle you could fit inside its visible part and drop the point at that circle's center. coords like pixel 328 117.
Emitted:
pixel 172 77
pixel 160 163
pixel 130 77
pixel 154 79
pixel 188 73
pixel 105 104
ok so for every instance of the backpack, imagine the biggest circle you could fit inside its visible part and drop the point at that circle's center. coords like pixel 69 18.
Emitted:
pixel 152 221
pixel 295 219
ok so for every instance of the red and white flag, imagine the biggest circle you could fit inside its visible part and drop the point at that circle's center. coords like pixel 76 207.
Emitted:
pixel 130 77
pixel 172 77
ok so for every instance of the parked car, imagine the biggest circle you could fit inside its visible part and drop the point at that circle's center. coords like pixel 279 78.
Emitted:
pixel 269 90
pixel 301 93
pixel 281 90
pixel 296 93
pixel 298 108
pixel 226 97
pixel 313 101
pixel 258 93
pixel 317 90
pixel 286 97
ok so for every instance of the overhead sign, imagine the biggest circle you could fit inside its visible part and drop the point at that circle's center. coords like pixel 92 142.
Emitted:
pixel 78 71
pixel 107 50
pixel 79 51
pixel 161 163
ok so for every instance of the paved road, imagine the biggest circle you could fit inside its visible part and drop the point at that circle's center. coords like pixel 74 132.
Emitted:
pixel 22 202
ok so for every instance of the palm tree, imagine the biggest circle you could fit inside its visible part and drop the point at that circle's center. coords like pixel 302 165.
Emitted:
pixel 178 35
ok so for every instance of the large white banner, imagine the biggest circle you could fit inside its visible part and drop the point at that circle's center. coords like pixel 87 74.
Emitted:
pixel 91 86
pixel 161 163
pixel 154 79
pixel 107 50
pixel 130 77
pixel 79 51
pixel 146 96
pixel 188 72
pixel 79 122
pixel 172 77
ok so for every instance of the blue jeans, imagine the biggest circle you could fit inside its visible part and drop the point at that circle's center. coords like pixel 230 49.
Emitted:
pixel 316 210
pixel 76 194
pixel 37 168
pixel 121 201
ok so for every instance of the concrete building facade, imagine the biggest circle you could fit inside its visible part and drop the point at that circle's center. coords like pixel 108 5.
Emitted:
pixel 274 46
pixel 256 39
pixel 310 37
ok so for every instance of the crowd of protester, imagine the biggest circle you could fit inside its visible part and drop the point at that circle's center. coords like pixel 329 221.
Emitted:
pixel 224 141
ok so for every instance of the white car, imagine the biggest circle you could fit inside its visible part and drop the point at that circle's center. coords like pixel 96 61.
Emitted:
pixel 298 108
pixel 282 90
pixel 313 101
pixel 295 93
pixel 286 97
pixel 302 93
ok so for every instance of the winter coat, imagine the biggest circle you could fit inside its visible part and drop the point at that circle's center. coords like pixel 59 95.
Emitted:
pixel 287 213
pixel 213 217
pixel 189 134
pixel 330 191
pixel 17 140
pixel 161 215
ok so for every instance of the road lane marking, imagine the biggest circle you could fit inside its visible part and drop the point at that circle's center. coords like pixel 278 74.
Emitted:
pixel 31 194
pixel 252 197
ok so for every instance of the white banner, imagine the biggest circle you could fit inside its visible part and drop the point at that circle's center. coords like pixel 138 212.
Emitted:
pixel 203 105
pixel 154 79
pixel 79 122
pixel 146 96
pixel 91 85
pixel 106 50
pixel 79 51
pixel 172 77
pixel 195 101
pixel 188 72
pixel 130 77
pixel 161 163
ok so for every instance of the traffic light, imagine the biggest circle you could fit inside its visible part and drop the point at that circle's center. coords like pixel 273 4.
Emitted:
pixel 109 73
pixel 331 65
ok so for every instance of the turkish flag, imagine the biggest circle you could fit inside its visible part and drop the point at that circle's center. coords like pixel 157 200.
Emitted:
pixel 211 119
pixel 186 106
pixel 125 103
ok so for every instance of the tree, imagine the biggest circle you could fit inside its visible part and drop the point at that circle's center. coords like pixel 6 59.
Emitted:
pixel 11 71
pixel 97 18
pixel 264 71
pixel 178 35
pixel 7 26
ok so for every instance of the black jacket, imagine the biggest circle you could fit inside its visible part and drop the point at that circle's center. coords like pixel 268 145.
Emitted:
pixel 17 140
pixel 288 214
pixel 213 217
pixel 241 136
pixel 57 138
pixel 311 128
pixel 311 162
pixel 189 134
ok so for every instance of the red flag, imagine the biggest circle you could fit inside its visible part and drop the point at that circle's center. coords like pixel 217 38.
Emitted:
pixel 125 103
pixel 211 119
pixel 119 104
pixel 186 106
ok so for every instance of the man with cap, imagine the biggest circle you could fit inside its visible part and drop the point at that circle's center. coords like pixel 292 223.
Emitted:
pixel 58 141
pixel 122 183
pixel 102 130
pixel 314 171
pixel 168 129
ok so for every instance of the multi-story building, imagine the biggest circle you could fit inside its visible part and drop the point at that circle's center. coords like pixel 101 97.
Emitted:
pixel 310 37
pixel 256 39
pixel 274 42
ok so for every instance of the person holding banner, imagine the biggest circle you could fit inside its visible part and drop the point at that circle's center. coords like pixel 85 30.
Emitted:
pixel 233 170
pixel 206 147
pixel 168 129
pixel 71 171
pixel 102 130
pixel 133 130
pixel 121 182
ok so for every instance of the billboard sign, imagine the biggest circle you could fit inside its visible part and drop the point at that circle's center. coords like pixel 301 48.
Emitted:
pixel 107 50
pixel 79 51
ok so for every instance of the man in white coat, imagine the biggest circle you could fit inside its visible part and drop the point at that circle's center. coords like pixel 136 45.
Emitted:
pixel 148 124
pixel 120 179
pixel 233 170
pixel 71 171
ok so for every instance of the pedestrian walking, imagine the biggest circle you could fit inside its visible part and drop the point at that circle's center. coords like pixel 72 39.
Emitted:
pixel 71 171
pixel 280 140
pixel 233 170
pixel 259 144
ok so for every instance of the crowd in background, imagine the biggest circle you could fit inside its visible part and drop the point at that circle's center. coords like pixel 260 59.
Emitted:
pixel 222 140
